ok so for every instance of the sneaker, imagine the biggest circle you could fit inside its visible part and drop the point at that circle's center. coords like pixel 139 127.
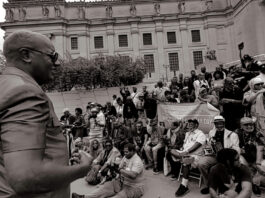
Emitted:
pixel 155 171
pixel 256 190
pixel 182 190
pixel 173 178
pixel 205 191
pixel 75 195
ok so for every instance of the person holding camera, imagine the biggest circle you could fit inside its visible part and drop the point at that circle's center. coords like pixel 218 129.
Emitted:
pixel 174 140
pixel 219 138
pixel 102 163
pixel 128 182
pixel 96 125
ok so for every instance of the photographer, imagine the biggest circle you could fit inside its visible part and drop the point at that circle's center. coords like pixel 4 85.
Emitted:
pixel 96 125
pixel 174 140
pixel 130 184
pixel 219 137
pixel 102 163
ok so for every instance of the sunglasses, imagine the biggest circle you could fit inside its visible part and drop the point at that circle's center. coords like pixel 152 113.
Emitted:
pixel 248 124
pixel 53 56
pixel 259 84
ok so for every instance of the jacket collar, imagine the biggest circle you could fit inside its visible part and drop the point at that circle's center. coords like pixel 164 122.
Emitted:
pixel 18 72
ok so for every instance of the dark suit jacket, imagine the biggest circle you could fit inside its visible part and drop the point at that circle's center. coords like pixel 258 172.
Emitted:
pixel 28 122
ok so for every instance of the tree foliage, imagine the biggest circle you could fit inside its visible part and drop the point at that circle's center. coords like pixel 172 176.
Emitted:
pixel 100 71
pixel 2 61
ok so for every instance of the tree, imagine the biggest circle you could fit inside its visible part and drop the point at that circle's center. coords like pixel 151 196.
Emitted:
pixel 100 71
pixel 2 62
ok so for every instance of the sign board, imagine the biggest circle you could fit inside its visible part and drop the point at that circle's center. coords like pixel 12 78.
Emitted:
pixel 203 112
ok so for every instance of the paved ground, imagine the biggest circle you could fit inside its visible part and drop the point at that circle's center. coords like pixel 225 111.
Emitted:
pixel 156 186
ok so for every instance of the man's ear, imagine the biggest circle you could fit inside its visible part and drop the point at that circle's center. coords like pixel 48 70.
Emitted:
pixel 25 55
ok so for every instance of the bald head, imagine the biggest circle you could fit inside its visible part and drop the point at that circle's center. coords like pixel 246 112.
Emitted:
pixel 32 53
pixel 25 39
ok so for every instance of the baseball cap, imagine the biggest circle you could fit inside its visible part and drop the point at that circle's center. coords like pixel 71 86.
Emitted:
pixel 218 119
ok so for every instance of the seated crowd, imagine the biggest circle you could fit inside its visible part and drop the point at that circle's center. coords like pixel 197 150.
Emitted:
pixel 125 136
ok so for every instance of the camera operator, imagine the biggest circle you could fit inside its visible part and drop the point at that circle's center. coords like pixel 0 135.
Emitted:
pixel 249 63
pixel 219 137
pixel 67 119
pixel 96 125
pixel 130 185
pixel 174 140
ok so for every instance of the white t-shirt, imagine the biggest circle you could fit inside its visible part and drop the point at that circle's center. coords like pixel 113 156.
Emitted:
pixel 134 164
pixel 192 137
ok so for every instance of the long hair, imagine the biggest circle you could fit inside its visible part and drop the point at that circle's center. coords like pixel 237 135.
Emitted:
pixel 93 152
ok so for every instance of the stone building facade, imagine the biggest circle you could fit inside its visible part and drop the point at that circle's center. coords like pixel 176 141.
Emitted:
pixel 173 36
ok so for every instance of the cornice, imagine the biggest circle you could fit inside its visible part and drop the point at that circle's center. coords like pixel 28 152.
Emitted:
pixel 121 20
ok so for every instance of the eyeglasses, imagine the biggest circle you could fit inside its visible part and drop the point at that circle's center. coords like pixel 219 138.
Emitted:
pixel 54 55
pixel 259 84
pixel 248 124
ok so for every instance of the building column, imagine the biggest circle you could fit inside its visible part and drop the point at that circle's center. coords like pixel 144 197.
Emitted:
pixel 160 68
pixel 83 45
pixel 110 39
pixel 212 38
pixel 59 44
pixel 187 55
pixel 135 39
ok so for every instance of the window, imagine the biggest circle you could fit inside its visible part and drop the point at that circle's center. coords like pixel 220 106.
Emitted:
pixel 171 38
pixel 197 58
pixel 173 61
pixel 195 35
pixel 74 43
pixel 149 63
pixel 126 58
pixel 123 41
pixel 147 39
pixel 98 41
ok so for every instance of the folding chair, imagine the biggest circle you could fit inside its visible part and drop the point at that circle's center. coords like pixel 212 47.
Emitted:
pixel 194 174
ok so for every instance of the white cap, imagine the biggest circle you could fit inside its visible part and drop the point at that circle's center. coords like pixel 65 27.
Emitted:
pixel 257 81
pixel 65 109
pixel 218 119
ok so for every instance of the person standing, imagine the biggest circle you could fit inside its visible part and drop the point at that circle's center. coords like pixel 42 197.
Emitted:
pixel 33 152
